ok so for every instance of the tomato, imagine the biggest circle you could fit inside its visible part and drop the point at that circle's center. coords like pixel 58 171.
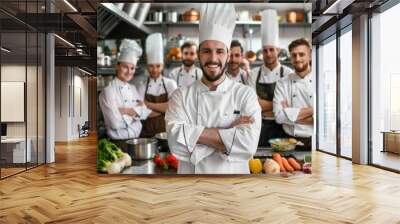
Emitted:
pixel 174 164
pixel 171 159
pixel 157 160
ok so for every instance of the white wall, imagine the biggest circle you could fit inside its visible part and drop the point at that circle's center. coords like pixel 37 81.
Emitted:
pixel 69 82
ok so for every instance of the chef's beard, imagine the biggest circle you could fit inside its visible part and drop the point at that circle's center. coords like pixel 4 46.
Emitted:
pixel 214 78
pixel 302 68
pixel 188 63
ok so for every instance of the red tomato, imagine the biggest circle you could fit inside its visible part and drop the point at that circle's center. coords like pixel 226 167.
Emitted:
pixel 174 164
pixel 171 159
pixel 157 160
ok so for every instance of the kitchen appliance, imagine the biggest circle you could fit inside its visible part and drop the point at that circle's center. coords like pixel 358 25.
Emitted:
pixel 143 11
pixel 163 141
pixel 142 148
pixel 131 9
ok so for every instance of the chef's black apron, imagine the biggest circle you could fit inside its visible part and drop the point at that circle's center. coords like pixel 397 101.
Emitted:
pixel 180 73
pixel 154 125
pixel 269 128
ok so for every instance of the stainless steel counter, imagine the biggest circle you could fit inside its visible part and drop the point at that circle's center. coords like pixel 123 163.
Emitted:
pixel 147 167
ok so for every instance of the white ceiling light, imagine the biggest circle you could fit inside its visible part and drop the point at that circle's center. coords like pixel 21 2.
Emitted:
pixel 65 41
pixel 70 5
pixel 5 50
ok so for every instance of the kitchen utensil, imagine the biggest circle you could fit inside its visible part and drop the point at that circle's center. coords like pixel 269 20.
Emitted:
pixel 191 15
pixel 163 141
pixel 256 17
pixel 172 17
pixel 158 17
pixel 244 15
pixel 295 17
pixel 142 148
pixel 282 144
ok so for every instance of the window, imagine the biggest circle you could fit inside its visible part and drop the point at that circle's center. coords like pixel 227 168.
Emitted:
pixel 346 94
pixel 327 96
pixel 385 89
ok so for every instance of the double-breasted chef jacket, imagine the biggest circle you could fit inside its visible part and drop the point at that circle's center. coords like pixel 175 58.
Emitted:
pixel 213 109
pixel 116 95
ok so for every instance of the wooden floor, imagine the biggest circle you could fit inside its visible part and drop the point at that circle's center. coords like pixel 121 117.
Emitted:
pixel 70 191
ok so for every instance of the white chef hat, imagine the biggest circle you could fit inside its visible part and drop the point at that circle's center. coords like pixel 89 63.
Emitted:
pixel 269 28
pixel 217 22
pixel 129 51
pixel 154 49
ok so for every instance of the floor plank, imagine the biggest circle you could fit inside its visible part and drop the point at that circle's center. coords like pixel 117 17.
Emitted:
pixel 70 191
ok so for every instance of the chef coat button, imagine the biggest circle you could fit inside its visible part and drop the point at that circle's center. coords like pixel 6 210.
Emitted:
pixel 294 95
pixel 310 96
pixel 126 101
pixel 149 86
pixel 294 81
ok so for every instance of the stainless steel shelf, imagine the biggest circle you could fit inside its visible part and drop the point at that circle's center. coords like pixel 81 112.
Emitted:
pixel 250 23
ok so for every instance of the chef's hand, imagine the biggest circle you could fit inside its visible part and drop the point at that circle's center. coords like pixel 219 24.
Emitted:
pixel 128 111
pixel 242 120
pixel 284 104
pixel 148 104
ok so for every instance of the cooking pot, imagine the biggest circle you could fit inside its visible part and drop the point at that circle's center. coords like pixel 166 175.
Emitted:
pixel 162 139
pixel 191 15
pixel 142 148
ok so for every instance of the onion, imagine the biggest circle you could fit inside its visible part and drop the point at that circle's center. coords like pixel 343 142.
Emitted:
pixel 114 168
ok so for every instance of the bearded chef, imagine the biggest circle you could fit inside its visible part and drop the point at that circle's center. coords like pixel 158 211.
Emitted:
pixel 263 79
pixel 293 101
pixel 213 125
pixel 156 89
pixel 188 73
pixel 120 103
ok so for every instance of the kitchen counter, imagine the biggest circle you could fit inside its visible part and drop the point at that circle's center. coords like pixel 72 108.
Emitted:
pixel 147 167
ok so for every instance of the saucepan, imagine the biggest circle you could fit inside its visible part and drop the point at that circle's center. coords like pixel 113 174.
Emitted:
pixel 142 148
pixel 163 141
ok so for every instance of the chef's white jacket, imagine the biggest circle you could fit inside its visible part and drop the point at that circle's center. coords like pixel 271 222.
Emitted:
pixel 185 78
pixel 298 92
pixel 193 108
pixel 156 87
pixel 240 78
pixel 116 95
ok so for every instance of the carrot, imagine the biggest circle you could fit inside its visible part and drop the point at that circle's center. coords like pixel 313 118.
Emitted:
pixel 287 166
pixel 277 157
pixel 294 163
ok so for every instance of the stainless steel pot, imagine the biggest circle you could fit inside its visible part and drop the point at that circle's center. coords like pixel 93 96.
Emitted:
pixel 163 141
pixel 142 148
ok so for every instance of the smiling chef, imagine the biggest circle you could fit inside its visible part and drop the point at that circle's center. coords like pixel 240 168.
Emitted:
pixel 214 125
pixel 120 102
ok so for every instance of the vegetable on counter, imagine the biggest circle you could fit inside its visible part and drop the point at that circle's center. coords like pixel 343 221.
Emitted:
pixel 287 166
pixel 110 158
pixel 271 167
pixel 307 168
pixel 277 157
pixel 255 166
pixel 294 163
pixel 169 161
